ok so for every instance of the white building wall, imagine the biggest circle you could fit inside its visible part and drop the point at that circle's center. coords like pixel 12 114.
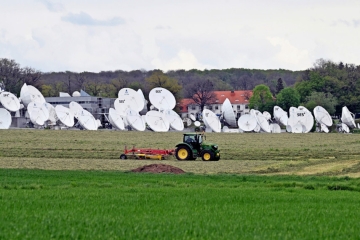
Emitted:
pixel 239 109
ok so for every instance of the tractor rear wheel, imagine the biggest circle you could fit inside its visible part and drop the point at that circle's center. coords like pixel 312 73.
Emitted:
pixel 207 155
pixel 182 153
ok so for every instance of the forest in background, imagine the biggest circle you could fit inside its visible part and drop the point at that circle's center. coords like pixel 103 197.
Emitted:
pixel 108 83
pixel 328 84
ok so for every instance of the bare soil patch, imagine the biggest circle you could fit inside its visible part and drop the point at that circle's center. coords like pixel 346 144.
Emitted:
pixel 159 168
pixel 198 167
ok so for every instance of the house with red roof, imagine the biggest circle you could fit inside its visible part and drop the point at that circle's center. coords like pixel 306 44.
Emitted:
pixel 238 99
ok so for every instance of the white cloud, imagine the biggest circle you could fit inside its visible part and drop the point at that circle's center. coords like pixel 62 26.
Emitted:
pixel 53 6
pixel 76 48
pixel 60 35
pixel 184 59
pixel 83 18
pixel 161 27
pixel 288 55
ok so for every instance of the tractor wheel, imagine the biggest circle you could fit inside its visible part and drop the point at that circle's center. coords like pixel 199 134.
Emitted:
pixel 123 156
pixel 182 153
pixel 207 155
pixel 217 158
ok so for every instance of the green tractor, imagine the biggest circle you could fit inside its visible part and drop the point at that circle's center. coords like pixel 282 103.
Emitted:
pixel 193 146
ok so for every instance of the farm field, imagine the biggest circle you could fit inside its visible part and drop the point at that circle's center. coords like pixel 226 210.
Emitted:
pixel 301 154
pixel 38 204
pixel 266 186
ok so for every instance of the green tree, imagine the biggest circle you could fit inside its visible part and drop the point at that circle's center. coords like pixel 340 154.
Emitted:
pixel 316 82
pixel 288 97
pixel 159 79
pixel 269 106
pixel 326 100
pixel 135 85
pixel 47 90
pixel 261 98
pixel 339 79
pixel 58 87
pixel 119 83
pixel 108 90
pixel 93 88
pixel 12 76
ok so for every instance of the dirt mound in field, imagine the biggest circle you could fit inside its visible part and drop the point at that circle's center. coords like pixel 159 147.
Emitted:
pixel 158 168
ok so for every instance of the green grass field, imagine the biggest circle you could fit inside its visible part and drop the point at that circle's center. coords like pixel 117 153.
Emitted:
pixel 301 154
pixel 38 204
pixel 108 144
pixel 72 185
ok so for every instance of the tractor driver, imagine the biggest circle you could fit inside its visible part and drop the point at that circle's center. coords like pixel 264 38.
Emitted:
pixel 189 139
pixel 195 141
pixel 198 141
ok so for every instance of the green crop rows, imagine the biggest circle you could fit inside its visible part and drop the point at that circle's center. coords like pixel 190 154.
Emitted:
pixel 38 204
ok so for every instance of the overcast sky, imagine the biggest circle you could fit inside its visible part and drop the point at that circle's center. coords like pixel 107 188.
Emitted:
pixel 94 35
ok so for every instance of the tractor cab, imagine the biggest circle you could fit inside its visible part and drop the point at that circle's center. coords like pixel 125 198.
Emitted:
pixel 194 146
pixel 195 140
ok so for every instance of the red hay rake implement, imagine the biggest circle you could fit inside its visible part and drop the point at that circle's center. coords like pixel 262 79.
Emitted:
pixel 146 153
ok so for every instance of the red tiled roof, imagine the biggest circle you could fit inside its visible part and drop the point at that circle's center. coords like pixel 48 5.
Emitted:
pixel 235 97
pixel 184 103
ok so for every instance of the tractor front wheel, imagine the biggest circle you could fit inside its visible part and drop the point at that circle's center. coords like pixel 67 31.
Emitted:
pixel 207 155
pixel 182 153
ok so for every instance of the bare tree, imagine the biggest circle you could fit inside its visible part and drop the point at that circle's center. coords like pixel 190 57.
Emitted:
pixel 247 95
pixel 67 82
pixel 80 79
pixel 202 92
pixel 245 82
pixel 31 76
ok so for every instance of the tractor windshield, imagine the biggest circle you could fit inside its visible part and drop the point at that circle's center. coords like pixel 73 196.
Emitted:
pixel 189 139
pixel 193 139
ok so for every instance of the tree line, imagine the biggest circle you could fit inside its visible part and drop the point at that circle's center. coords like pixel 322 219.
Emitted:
pixel 13 76
pixel 328 84
pixel 108 83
